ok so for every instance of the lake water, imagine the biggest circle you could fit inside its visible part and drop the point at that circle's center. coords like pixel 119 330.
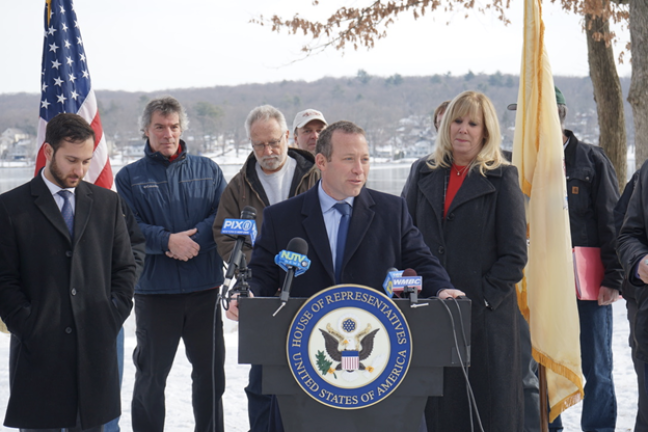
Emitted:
pixel 386 177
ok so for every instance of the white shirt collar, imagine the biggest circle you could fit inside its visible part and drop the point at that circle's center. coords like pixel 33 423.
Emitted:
pixel 567 143
pixel 327 202
pixel 53 187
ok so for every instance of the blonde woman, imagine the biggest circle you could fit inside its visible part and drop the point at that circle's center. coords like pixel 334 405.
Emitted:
pixel 467 203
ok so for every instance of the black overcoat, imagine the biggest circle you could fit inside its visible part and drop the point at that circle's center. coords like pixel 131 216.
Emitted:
pixel 63 302
pixel 482 245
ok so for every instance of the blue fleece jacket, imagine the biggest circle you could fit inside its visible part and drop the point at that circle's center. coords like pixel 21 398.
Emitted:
pixel 168 197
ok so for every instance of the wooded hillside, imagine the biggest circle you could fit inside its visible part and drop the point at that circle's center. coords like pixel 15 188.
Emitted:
pixel 387 107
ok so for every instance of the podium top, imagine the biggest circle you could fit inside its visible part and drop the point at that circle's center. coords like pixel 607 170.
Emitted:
pixel 262 337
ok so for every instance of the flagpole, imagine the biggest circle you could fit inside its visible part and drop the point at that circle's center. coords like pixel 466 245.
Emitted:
pixel 544 399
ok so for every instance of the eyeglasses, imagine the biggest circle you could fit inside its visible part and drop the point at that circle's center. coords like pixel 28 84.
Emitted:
pixel 274 144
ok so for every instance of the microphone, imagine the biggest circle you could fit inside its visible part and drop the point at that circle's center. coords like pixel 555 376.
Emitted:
pixel 294 261
pixel 398 282
pixel 412 285
pixel 388 284
pixel 241 228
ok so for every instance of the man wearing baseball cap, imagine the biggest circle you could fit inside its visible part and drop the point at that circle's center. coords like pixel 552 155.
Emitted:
pixel 307 126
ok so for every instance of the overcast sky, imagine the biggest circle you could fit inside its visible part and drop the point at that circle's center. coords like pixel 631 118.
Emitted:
pixel 149 45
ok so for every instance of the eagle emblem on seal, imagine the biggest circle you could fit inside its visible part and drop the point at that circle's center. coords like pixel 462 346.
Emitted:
pixel 355 347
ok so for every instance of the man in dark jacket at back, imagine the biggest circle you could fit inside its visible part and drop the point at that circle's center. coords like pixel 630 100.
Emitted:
pixel 592 192
pixel 174 197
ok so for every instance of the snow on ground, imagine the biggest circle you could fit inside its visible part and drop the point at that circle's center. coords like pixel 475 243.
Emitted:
pixel 179 413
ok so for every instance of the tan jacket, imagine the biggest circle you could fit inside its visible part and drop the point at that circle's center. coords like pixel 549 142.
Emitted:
pixel 245 189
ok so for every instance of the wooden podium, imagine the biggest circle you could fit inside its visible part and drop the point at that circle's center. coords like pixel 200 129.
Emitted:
pixel 262 341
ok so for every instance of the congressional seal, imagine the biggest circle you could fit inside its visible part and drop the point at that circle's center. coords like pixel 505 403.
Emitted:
pixel 349 346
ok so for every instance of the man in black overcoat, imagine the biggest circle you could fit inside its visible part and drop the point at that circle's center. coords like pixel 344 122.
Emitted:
pixel 380 231
pixel 67 275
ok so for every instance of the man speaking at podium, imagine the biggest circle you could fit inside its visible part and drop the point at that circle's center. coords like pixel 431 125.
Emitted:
pixel 380 230
pixel 354 234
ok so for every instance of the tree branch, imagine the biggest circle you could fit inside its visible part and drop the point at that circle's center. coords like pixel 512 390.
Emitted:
pixel 363 26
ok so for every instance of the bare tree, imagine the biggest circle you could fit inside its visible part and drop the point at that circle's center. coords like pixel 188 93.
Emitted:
pixel 607 93
pixel 209 116
pixel 638 95
pixel 363 26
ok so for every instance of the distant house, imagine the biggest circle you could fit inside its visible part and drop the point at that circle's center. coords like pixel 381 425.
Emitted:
pixel 20 151
pixel 410 121
pixel 386 152
pixel 421 148
pixel 14 142
pixel 13 135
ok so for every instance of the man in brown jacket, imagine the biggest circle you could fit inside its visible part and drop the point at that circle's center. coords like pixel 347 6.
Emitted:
pixel 272 173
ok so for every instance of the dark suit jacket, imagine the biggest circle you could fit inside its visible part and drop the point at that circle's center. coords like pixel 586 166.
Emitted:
pixel 381 236
pixel 64 302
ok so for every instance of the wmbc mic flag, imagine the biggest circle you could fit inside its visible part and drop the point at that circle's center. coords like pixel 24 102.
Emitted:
pixel 546 295
pixel 66 86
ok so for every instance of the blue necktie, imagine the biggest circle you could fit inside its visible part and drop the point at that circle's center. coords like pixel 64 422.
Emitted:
pixel 344 209
pixel 66 211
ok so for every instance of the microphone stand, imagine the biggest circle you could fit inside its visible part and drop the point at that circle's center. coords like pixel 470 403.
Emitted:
pixel 413 296
pixel 285 291
pixel 242 287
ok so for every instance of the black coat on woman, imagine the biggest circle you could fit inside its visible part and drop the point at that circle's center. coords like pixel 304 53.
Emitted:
pixel 482 245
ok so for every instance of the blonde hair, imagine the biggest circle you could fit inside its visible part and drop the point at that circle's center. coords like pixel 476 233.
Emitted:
pixel 474 105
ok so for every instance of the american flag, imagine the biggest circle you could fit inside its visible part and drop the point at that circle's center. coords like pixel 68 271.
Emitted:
pixel 66 86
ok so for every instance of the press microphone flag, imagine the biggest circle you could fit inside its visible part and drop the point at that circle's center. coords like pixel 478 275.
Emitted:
pixel 388 284
pixel 397 280
pixel 410 279
pixel 294 261
pixel 287 259
pixel 413 284
pixel 240 228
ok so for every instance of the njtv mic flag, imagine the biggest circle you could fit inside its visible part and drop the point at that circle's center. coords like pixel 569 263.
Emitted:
pixel 66 86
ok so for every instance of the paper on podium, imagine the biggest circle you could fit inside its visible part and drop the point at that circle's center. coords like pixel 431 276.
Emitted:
pixel 589 272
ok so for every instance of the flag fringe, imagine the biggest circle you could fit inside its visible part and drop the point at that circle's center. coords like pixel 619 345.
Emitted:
pixel 565 372
pixel 561 406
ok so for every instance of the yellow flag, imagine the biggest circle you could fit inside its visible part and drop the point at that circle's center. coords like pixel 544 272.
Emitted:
pixel 546 295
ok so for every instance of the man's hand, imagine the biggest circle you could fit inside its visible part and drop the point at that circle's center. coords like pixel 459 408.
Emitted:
pixel 643 269
pixel 233 311
pixel 450 293
pixel 607 296
pixel 182 247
